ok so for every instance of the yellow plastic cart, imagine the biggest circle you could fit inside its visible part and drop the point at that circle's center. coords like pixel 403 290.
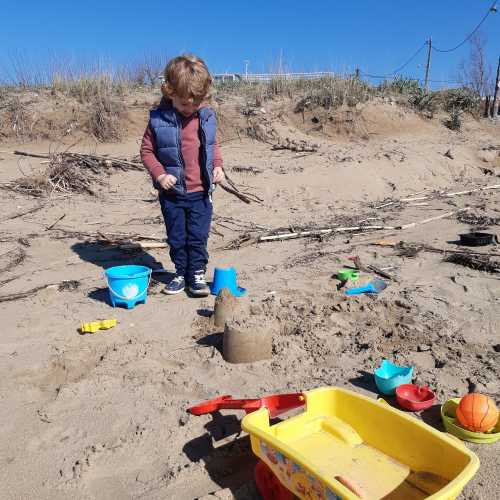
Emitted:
pixel 347 446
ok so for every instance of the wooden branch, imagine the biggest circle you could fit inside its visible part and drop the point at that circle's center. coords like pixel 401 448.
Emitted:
pixel 438 195
pixel 22 295
pixel 48 228
pixel 242 197
pixel 33 155
pixel 333 230
pixel 429 248
pixel 320 232
pixel 26 212
pixel 142 245
pixel 432 219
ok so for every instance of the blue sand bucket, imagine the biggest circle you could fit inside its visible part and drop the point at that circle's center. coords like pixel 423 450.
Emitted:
pixel 388 376
pixel 226 278
pixel 128 285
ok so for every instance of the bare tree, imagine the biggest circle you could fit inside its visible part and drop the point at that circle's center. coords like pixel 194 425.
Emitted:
pixel 475 72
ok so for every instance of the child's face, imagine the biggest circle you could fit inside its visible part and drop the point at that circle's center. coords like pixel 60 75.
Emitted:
pixel 185 107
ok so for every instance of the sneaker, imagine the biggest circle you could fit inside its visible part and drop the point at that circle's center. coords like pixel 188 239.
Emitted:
pixel 177 285
pixel 198 285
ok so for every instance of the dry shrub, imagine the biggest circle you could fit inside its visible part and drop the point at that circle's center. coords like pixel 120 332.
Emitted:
pixel 100 94
pixel 332 93
pixel 104 118
pixel 327 92
pixel 87 89
pixel 15 118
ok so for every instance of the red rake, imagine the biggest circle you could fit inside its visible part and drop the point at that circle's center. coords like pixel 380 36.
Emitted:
pixel 276 405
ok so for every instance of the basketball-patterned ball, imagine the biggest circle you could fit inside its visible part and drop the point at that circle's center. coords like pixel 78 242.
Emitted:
pixel 477 413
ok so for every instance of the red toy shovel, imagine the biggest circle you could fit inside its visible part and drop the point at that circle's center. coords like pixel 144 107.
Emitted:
pixel 276 405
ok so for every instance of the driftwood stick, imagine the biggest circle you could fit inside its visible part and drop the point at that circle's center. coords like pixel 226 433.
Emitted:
pixel 144 245
pixel 432 219
pixel 429 248
pixel 26 212
pixel 33 155
pixel 438 195
pixel 333 230
pixel 83 156
pixel 62 285
pixel 320 232
pixel 48 228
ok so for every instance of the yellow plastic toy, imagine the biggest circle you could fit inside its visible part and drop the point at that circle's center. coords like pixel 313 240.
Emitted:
pixel 95 326
pixel 347 446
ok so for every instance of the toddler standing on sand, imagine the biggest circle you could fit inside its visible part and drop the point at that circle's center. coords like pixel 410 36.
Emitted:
pixel 180 150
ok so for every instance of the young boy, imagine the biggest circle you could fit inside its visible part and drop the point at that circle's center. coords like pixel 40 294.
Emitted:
pixel 180 150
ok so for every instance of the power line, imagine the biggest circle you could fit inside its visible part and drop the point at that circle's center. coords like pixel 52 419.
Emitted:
pixel 397 70
pixel 469 36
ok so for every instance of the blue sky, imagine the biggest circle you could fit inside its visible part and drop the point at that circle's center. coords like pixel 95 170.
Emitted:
pixel 307 36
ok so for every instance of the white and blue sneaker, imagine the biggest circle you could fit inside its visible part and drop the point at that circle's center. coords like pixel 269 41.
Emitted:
pixel 176 285
pixel 198 286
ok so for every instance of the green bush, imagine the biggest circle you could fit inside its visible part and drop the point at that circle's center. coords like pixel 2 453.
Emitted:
pixel 400 85
pixel 462 99
pixel 454 122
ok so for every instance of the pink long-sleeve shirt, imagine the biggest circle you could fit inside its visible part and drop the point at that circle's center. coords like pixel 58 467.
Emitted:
pixel 190 146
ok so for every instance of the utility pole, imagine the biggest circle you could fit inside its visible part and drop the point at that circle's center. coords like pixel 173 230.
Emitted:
pixel 247 62
pixel 427 68
pixel 495 98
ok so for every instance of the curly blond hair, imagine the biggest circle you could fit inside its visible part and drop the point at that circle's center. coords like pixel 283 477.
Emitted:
pixel 187 76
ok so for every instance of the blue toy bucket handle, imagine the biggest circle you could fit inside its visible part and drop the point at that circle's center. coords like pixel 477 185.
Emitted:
pixel 144 292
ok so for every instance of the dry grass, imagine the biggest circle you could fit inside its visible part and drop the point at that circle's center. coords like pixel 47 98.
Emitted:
pixel 93 103
pixel 329 92
pixel 105 119
pixel 15 117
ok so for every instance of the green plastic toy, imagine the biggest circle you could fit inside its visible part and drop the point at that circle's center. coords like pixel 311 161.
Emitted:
pixel 348 274
pixel 450 423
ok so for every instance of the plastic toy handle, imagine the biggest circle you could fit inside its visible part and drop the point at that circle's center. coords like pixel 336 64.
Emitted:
pixel 361 289
pixel 248 405
pixel 225 403
pixel 421 390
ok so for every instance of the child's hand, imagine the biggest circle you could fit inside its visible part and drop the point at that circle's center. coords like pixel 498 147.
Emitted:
pixel 219 175
pixel 167 181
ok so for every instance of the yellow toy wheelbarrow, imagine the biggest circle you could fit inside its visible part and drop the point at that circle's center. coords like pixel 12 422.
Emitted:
pixel 347 446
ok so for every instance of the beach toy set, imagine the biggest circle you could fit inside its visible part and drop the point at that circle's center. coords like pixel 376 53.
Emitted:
pixel 392 379
pixel 128 285
pixel 347 446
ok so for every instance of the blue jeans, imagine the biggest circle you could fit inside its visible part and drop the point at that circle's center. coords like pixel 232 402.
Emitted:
pixel 187 218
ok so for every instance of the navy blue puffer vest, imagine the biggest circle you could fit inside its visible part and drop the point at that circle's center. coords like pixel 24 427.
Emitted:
pixel 165 123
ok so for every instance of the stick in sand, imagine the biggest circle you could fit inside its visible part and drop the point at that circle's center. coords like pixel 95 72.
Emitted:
pixel 438 195
pixel 432 219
